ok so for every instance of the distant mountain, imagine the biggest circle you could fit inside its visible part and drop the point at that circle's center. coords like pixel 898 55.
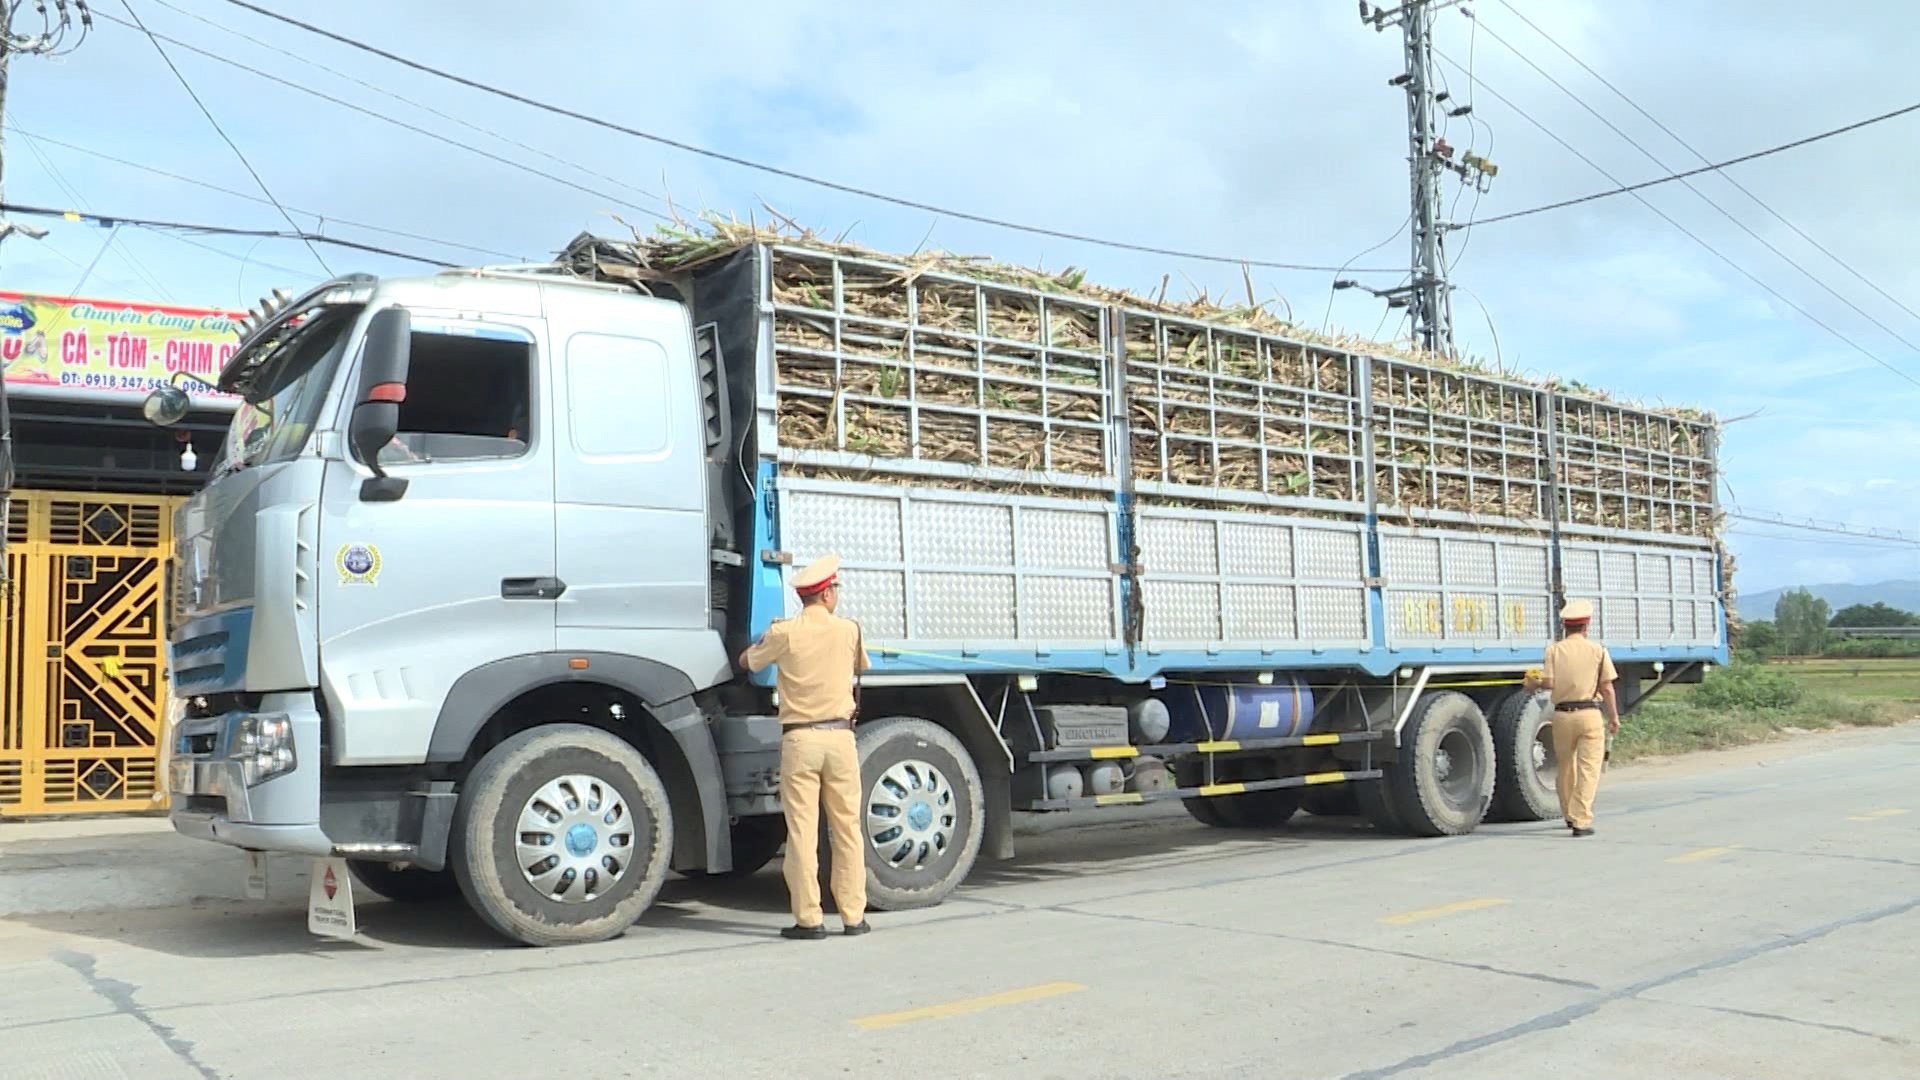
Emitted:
pixel 1904 595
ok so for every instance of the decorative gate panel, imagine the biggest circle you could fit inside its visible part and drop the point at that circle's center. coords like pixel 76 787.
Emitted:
pixel 82 653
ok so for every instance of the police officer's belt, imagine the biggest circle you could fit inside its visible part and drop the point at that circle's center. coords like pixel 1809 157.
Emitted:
pixel 1576 706
pixel 819 725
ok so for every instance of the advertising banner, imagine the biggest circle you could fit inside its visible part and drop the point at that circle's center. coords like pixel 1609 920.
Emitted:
pixel 117 349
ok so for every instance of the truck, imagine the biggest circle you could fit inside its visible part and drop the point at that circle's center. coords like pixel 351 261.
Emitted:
pixel 455 612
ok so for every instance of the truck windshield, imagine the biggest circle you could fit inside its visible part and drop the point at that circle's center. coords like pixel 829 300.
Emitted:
pixel 284 383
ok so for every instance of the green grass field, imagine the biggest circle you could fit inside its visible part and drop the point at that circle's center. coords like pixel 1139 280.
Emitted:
pixel 1890 680
pixel 1833 693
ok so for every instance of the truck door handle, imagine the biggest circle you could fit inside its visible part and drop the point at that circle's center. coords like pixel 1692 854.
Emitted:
pixel 532 588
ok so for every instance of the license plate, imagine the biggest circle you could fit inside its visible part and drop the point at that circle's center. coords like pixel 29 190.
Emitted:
pixel 180 776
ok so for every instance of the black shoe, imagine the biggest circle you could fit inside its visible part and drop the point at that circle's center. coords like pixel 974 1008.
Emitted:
pixel 804 933
pixel 1583 832
pixel 857 929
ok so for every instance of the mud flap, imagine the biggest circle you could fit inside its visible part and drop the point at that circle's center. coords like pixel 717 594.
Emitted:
pixel 330 900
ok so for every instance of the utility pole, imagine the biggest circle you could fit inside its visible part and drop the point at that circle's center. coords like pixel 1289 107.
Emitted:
pixel 61 31
pixel 57 36
pixel 1426 295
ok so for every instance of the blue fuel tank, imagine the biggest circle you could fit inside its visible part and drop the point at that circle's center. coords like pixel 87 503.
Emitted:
pixel 1240 711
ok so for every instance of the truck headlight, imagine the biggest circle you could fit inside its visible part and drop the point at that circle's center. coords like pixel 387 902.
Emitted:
pixel 263 745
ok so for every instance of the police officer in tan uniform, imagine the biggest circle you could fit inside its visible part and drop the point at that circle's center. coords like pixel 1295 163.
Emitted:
pixel 1580 675
pixel 819 656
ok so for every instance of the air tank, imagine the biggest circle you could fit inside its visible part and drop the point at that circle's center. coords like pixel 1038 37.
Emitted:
pixel 1240 710
pixel 1148 721
pixel 1105 778
pixel 1064 782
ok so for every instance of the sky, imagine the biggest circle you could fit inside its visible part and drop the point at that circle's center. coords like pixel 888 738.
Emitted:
pixel 1262 130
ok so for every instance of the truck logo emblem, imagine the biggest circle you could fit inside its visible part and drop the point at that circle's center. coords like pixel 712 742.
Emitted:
pixel 359 564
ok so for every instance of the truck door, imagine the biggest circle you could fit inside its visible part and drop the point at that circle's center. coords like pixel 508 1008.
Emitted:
pixel 459 571
pixel 630 485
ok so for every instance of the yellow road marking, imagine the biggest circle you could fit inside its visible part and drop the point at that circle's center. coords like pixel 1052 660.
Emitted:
pixel 1876 815
pixel 1111 752
pixel 1223 789
pixel 1704 853
pixel 1454 908
pixel 966 1005
pixel 1221 746
pixel 1325 778
pixel 1320 740
pixel 1118 798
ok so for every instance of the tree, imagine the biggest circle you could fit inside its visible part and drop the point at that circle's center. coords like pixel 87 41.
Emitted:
pixel 1876 614
pixel 1801 619
pixel 1760 637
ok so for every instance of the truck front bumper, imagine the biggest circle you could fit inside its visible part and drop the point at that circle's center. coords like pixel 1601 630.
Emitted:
pixel 212 798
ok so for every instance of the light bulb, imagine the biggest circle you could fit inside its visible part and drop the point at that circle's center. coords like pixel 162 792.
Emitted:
pixel 188 459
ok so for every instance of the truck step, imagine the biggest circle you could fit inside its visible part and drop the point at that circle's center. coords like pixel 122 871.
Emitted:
pixel 1237 787
pixel 1217 746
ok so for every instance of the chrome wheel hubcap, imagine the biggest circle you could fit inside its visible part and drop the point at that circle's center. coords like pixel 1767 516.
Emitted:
pixel 575 839
pixel 912 814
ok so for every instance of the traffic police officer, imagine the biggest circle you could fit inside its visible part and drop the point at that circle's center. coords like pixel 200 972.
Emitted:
pixel 1580 676
pixel 820 656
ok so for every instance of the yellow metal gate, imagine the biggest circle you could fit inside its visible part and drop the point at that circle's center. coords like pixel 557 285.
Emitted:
pixel 83 653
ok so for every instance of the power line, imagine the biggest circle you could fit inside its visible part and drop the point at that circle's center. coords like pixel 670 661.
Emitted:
pixel 1715 167
pixel 222 132
pixel 1883 545
pixel 1688 233
pixel 789 174
pixel 402 233
pixel 402 124
pixel 1769 517
pixel 1738 186
pixel 126 253
pixel 111 220
pixel 384 92
pixel 1704 197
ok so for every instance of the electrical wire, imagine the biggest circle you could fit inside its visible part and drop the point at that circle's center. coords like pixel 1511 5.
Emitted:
pixel 1335 287
pixel 1688 233
pixel 222 132
pixel 402 124
pixel 112 235
pixel 1737 185
pixel 1704 197
pixel 126 253
pixel 111 220
pixel 1629 189
pixel 422 106
pixel 1763 517
pixel 775 170
pixel 402 233
pixel 1751 535
pixel 302 275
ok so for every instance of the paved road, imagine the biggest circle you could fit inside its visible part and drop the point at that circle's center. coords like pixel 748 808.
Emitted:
pixel 1750 915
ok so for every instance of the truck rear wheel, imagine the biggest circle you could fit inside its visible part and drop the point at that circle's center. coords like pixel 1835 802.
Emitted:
pixel 1442 781
pixel 1523 786
pixel 1334 800
pixel 402 883
pixel 1247 810
pixel 922 810
pixel 562 836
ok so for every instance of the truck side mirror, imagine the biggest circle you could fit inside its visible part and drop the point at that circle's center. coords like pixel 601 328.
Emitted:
pixel 376 410
pixel 165 406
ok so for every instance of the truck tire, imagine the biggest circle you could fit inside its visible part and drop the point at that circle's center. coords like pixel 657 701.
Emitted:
pixel 1523 785
pixel 756 841
pixel 1377 807
pixel 587 796
pixel 922 813
pixel 1334 800
pixel 1442 781
pixel 1247 810
pixel 403 883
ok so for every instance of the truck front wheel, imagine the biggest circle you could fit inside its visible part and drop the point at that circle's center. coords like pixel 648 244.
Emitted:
pixel 922 812
pixel 562 836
